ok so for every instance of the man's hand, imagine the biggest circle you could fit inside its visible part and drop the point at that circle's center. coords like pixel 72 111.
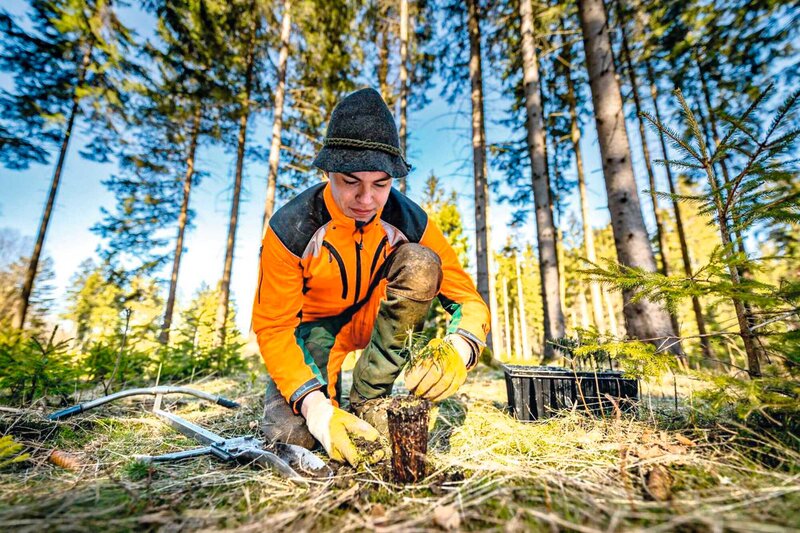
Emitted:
pixel 441 374
pixel 340 432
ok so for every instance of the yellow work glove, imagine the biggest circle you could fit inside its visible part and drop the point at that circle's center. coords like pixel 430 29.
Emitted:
pixel 442 370
pixel 345 437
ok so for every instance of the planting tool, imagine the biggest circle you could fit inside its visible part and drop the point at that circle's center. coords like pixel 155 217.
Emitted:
pixel 290 461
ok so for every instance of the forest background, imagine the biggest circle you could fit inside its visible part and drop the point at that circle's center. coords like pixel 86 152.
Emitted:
pixel 134 108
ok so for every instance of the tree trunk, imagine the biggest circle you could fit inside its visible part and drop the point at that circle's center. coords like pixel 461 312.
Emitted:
pixel 403 134
pixel 626 57
pixel 225 284
pixel 705 343
pixel 163 338
pixel 383 63
pixel 545 227
pixel 584 307
pixel 526 347
pixel 612 314
pixel 562 271
pixel 644 319
pixel 662 243
pixel 485 281
pixel 588 238
pixel 33 265
pixel 277 115
pixel 507 330
pixel 588 233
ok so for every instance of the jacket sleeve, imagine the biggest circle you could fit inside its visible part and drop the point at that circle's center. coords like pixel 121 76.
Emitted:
pixel 276 315
pixel 469 313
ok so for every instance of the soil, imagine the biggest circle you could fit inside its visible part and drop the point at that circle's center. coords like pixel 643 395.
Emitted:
pixel 367 447
pixel 408 433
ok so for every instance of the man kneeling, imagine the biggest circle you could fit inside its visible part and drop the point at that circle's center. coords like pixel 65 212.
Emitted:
pixel 353 264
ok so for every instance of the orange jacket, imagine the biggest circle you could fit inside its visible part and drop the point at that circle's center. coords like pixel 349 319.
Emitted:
pixel 316 263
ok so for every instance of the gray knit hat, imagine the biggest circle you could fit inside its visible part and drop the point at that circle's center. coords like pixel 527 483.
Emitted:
pixel 362 136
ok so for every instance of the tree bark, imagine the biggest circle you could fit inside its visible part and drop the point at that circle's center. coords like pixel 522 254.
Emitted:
pixel 661 237
pixel 626 57
pixel 485 276
pixel 225 283
pixel 545 227
pixel 163 338
pixel 383 63
pixel 705 343
pixel 588 233
pixel 277 115
pixel 644 319
pixel 403 134
pixel 33 265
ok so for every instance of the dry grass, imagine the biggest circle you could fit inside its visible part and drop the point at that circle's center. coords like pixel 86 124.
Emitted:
pixel 487 472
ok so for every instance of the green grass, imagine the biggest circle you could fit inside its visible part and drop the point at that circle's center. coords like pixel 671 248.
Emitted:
pixel 571 472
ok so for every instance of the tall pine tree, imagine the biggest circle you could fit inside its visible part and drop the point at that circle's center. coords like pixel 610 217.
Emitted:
pixel 643 318
pixel 178 107
pixel 72 62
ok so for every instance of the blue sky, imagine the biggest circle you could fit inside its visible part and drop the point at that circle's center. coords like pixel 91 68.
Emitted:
pixel 439 142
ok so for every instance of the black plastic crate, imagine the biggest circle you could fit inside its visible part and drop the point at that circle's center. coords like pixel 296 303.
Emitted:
pixel 540 391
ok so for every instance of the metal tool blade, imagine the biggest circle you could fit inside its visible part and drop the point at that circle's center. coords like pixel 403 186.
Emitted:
pixel 302 460
pixel 175 456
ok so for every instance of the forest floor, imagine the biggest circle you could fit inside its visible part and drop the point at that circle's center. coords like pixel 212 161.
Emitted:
pixel 661 470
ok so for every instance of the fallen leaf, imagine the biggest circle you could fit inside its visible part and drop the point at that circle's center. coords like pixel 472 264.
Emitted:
pixel 253 424
pixel 647 436
pixel 447 517
pixel 685 441
pixel 658 483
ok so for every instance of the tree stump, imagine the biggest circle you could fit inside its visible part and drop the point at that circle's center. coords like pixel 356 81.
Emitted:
pixel 408 433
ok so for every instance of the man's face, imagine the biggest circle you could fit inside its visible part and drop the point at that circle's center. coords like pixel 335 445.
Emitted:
pixel 360 194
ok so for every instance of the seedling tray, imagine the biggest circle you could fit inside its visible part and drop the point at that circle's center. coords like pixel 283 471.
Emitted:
pixel 536 392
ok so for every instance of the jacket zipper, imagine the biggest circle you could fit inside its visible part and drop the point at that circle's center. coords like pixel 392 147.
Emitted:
pixel 374 264
pixel 359 247
pixel 335 255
